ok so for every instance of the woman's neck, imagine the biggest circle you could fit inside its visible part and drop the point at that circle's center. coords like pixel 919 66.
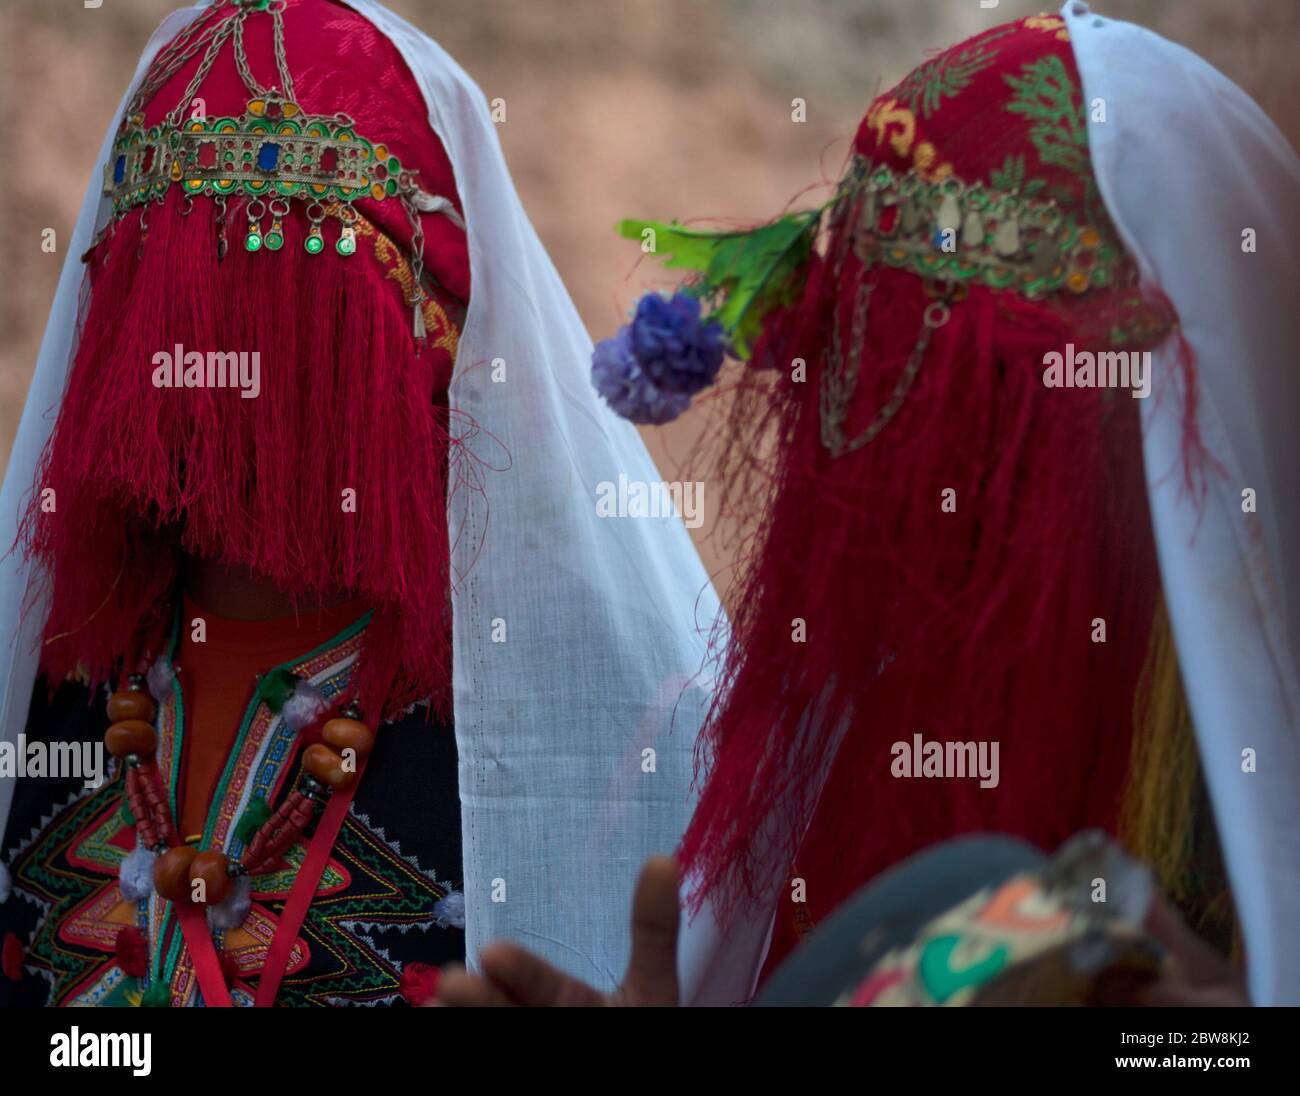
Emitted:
pixel 237 594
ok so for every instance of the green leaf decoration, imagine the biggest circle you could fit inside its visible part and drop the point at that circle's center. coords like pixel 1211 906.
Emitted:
pixel 753 271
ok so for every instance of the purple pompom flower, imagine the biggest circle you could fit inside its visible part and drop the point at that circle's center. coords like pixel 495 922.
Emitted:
pixel 676 350
pixel 623 384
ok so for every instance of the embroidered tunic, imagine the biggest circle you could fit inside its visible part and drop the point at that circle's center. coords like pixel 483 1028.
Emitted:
pixel 377 906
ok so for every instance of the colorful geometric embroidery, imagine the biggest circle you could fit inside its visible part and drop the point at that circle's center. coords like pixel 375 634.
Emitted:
pixel 357 934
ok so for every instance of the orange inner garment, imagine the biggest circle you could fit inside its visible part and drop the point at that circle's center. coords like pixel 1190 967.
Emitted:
pixel 218 678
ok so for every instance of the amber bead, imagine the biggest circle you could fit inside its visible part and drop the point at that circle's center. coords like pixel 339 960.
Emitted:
pixel 130 736
pixel 345 734
pixel 130 704
pixel 171 873
pixel 326 766
pixel 211 868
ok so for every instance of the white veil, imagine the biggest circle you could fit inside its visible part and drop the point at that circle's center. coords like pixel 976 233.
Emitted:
pixel 21 638
pixel 1180 138
pixel 579 641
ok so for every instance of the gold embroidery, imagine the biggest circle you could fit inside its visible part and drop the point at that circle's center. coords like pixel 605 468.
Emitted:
pixel 1049 23
pixel 897 124
pixel 441 331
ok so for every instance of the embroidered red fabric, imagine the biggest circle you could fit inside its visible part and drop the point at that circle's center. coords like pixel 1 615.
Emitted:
pixel 947 579
pixel 331 478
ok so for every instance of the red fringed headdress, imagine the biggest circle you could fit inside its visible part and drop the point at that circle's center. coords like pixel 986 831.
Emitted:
pixel 277 192
pixel 949 548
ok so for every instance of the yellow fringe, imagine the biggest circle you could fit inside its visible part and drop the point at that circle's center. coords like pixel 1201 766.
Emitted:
pixel 1158 817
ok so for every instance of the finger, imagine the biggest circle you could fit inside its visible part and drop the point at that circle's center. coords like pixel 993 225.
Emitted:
pixel 458 988
pixel 1201 964
pixel 651 977
pixel 530 981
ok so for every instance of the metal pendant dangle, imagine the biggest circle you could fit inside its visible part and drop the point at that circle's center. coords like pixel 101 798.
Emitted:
pixel 347 241
pixel 274 239
pixel 256 211
pixel 220 203
pixel 314 244
pixel 144 232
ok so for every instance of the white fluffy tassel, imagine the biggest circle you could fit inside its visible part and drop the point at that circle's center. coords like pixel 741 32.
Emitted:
pixel 230 914
pixel 303 705
pixel 160 678
pixel 449 912
pixel 135 877
pixel 6 883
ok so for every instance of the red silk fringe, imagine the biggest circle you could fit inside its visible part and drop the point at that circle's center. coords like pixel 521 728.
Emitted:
pixel 970 626
pixel 143 474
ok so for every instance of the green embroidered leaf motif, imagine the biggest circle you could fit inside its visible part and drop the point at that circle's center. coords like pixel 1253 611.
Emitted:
pixel 1011 178
pixel 924 89
pixel 1045 94
pixel 754 271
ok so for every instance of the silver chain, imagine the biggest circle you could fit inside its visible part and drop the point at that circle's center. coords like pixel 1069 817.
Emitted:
pixel 205 66
pixel 282 62
pixel 417 262
pixel 210 37
pixel 171 59
pixel 840 378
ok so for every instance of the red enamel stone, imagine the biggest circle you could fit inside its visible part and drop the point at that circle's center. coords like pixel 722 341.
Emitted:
pixel 329 161
pixel 146 162
pixel 888 219
pixel 208 154
pixel 273 109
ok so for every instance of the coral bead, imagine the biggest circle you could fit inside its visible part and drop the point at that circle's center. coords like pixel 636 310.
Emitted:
pixel 211 868
pixel 345 734
pixel 130 736
pixel 171 873
pixel 326 766
pixel 130 704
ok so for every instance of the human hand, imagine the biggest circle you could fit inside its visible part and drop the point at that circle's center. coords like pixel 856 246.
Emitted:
pixel 513 976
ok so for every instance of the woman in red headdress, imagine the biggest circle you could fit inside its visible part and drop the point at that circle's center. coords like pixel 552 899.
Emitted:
pixel 951 620
pixel 256 520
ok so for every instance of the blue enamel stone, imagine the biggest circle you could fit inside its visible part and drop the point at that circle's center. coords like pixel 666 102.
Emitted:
pixel 119 169
pixel 268 156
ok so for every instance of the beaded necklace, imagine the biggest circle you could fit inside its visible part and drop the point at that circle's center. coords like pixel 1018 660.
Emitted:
pixel 193 879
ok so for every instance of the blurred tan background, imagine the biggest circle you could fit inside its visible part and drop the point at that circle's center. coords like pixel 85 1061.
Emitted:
pixel 664 108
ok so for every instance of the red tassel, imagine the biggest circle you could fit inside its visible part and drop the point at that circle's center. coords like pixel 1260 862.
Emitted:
pixel 965 626
pixel 332 480
pixel 420 982
pixel 132 951
pixel 11 958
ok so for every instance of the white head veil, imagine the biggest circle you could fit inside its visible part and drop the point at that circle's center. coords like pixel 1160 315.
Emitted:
pixel 579 641
pixel 1187 165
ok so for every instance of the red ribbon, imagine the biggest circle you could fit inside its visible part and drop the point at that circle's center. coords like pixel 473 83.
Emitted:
pixel 303 891
pixel 203 954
